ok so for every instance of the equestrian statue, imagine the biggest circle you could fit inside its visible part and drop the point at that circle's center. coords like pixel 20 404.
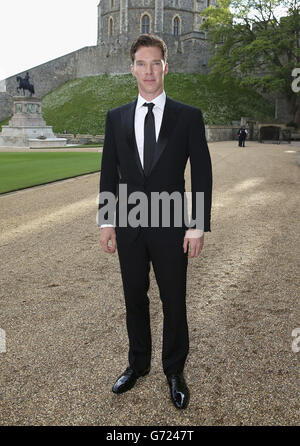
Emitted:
pixel 24 84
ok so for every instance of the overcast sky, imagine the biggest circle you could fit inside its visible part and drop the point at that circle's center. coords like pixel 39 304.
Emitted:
pixel 35 31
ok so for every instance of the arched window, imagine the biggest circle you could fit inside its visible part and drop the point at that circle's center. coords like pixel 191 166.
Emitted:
pixel 145 24
pixel 111 27
pixel 176 26
pixel 112 3
pixel 176 3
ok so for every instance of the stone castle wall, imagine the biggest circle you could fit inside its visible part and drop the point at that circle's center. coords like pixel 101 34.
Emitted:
pixel 187 53
pixel 52 74
pixel 6 105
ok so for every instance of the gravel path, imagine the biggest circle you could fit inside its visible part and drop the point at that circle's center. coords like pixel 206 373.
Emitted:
pixel 63 312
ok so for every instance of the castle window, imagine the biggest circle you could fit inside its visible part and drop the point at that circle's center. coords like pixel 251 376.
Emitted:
pixel 176 26
pixel 112 3
pixel 176 3
pixel 145 24
pixel 111 27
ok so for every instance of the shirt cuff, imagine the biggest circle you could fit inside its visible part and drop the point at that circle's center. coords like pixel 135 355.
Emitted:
pixel 106 226
pixel 194 233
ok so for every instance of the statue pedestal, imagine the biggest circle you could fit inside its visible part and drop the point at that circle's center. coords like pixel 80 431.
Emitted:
pixel 27 127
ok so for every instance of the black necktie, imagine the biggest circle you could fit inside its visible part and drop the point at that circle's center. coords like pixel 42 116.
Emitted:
pixel 149 138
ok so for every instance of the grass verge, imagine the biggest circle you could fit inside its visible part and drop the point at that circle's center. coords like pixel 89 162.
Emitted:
pixel 22 170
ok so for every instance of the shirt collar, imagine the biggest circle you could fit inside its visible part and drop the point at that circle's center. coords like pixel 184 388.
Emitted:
pixel 159 101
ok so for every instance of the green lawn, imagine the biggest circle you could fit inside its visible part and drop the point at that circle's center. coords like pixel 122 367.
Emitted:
pixel 80 105
pixel 20 170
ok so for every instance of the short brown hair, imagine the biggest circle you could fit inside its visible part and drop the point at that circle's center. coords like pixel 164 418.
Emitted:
pixel 149 40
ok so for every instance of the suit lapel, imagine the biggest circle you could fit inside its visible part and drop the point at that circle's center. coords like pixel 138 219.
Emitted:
pixel 128 128
pixel 167 126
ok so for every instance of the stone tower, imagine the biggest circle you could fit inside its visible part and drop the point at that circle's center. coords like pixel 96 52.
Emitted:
pixel 176 21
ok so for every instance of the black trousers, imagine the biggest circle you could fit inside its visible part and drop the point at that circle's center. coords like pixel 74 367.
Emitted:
pixel 170 268
pixel 242 142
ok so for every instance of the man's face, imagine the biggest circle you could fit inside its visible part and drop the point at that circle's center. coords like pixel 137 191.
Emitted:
pixel 149 70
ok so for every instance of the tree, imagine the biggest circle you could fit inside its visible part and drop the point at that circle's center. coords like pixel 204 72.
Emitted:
pixel 255 46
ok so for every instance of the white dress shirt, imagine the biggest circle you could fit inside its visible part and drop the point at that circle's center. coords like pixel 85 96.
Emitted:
pixel 139 120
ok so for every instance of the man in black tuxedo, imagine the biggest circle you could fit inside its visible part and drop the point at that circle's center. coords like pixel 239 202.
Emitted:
pixel 146 148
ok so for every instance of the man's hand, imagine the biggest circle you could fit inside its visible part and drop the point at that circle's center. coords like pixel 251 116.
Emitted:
pixel 195 245
pixel 107 235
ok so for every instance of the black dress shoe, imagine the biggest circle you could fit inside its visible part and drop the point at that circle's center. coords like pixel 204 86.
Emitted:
pixel 180 394
pixel 127 380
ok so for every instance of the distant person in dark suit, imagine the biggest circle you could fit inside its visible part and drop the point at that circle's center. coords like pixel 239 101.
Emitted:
pixel 242 134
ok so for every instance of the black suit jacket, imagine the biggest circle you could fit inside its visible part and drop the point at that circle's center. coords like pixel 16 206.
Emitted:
pixel 182 136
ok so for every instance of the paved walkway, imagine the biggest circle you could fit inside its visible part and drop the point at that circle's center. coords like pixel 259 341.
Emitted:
pixel 63 312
